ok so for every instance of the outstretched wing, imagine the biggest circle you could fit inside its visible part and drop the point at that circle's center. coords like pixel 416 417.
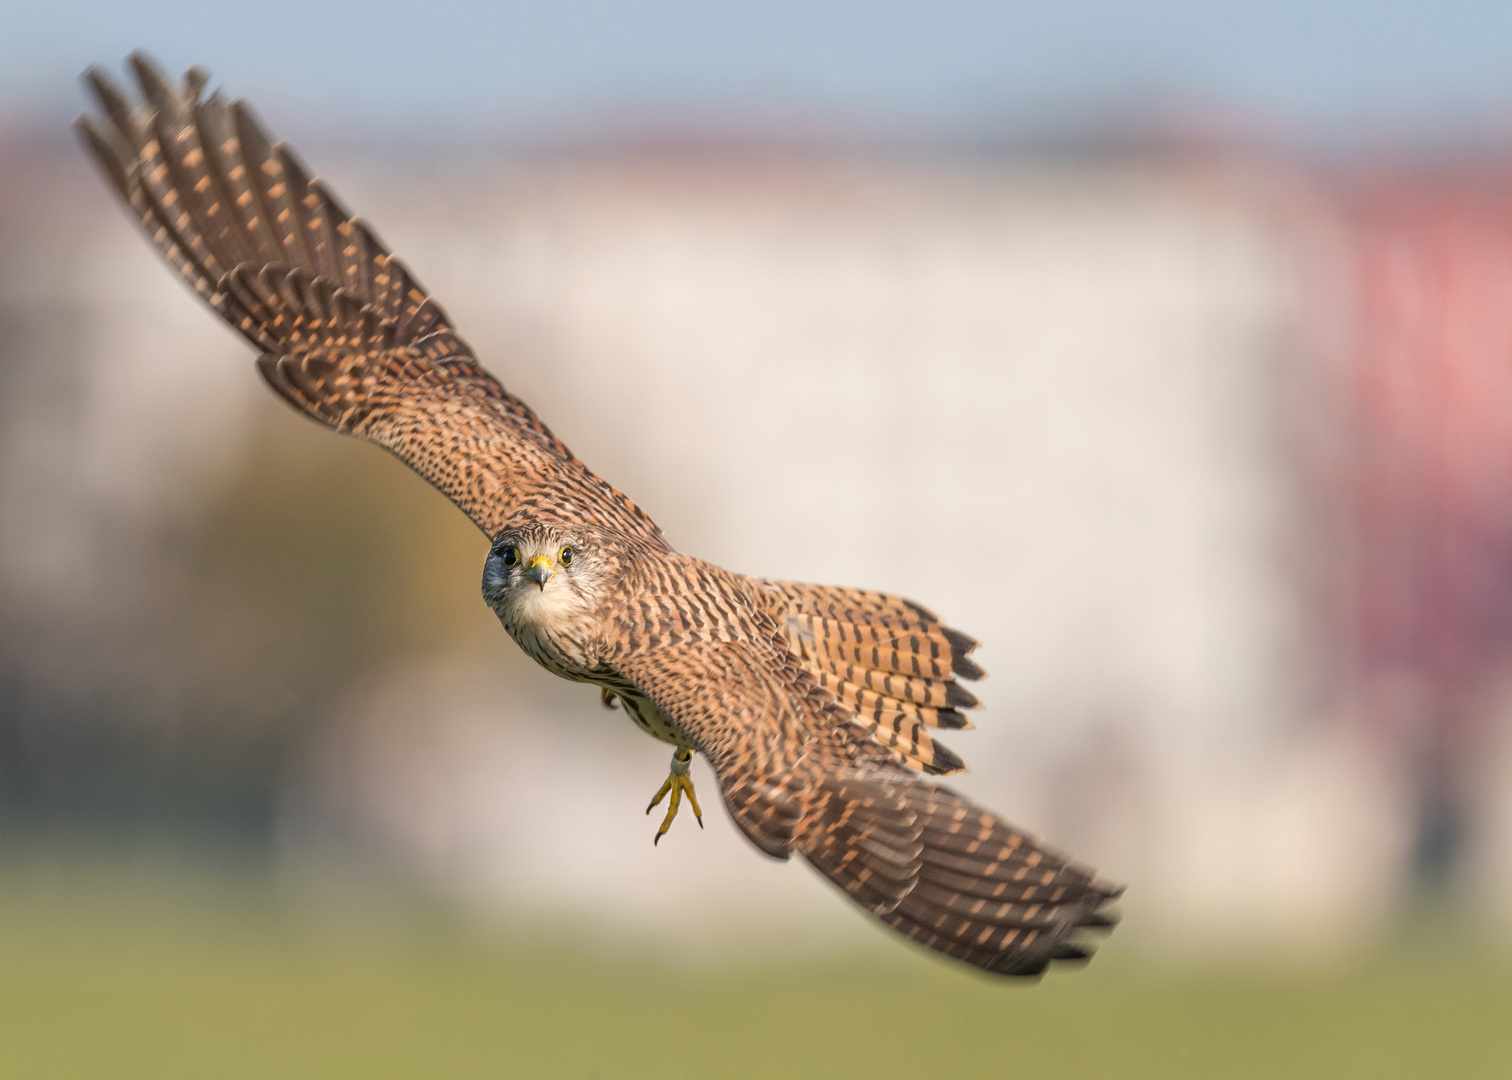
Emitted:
pixel 799 774
pixel 348 336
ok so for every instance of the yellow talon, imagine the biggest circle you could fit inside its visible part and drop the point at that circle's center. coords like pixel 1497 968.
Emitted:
pixel 677 782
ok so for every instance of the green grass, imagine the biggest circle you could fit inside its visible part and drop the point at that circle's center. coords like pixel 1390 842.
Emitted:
pixel 103 980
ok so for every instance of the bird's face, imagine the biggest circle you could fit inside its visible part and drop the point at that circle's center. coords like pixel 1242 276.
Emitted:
pixel 542 576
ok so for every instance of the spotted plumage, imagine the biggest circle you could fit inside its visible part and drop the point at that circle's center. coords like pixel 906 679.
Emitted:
pixel 814 705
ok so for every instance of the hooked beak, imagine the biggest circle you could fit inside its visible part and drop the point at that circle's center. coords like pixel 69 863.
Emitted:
pixel 539 571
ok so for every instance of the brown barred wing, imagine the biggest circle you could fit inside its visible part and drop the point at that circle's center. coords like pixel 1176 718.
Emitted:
pixel 951 876
pixel 348 335
pixel 796 775
pixel 490 463
pixel 215 193
pixel 887 659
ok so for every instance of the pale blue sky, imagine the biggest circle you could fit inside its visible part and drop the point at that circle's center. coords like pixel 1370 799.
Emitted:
pixel 1308 68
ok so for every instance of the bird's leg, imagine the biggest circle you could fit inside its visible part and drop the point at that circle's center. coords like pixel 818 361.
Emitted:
pixel 677 782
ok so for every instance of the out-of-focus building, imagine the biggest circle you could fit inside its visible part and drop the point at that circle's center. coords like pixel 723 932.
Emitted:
pixel 1425 471
pixel 1134 422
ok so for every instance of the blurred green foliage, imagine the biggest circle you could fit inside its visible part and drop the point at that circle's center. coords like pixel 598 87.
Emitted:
pixel 314 563
pixel 100 977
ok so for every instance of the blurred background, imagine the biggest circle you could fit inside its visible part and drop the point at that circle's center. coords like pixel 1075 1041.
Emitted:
pixel 1164 347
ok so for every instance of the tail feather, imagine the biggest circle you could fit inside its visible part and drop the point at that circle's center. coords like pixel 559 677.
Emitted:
pixel 937 703
pixel 888 662
pixel 907 737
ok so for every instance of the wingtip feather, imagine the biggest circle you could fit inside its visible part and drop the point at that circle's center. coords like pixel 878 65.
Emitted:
pixel 104 154
pixel 109 97
pixel 155 85
pixel 195 80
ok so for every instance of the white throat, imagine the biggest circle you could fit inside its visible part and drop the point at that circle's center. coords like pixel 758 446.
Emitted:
pixel 543 621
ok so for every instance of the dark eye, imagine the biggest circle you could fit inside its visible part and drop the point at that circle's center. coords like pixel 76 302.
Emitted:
pixel 565 557
pixel 510 555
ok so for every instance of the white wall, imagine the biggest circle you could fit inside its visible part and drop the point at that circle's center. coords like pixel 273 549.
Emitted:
pixel 1046 402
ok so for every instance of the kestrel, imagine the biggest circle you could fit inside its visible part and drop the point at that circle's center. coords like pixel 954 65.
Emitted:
pixel 813 704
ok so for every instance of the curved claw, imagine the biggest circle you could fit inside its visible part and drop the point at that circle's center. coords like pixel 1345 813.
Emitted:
pixel 661 793
pixel 678 783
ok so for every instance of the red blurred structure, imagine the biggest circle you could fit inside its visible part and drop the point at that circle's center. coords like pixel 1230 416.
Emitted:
pixel 1429 385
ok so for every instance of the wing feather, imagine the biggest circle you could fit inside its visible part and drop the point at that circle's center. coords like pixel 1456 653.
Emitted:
pixel 347 334
pixel 798 774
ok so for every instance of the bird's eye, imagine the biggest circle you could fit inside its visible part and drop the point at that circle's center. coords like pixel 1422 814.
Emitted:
pixel 565 558
pixel 510 555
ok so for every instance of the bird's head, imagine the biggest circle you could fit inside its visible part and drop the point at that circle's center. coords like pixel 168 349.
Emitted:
pixel 537 575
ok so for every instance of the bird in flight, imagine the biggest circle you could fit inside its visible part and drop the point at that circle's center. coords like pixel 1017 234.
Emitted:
pixel 813 704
